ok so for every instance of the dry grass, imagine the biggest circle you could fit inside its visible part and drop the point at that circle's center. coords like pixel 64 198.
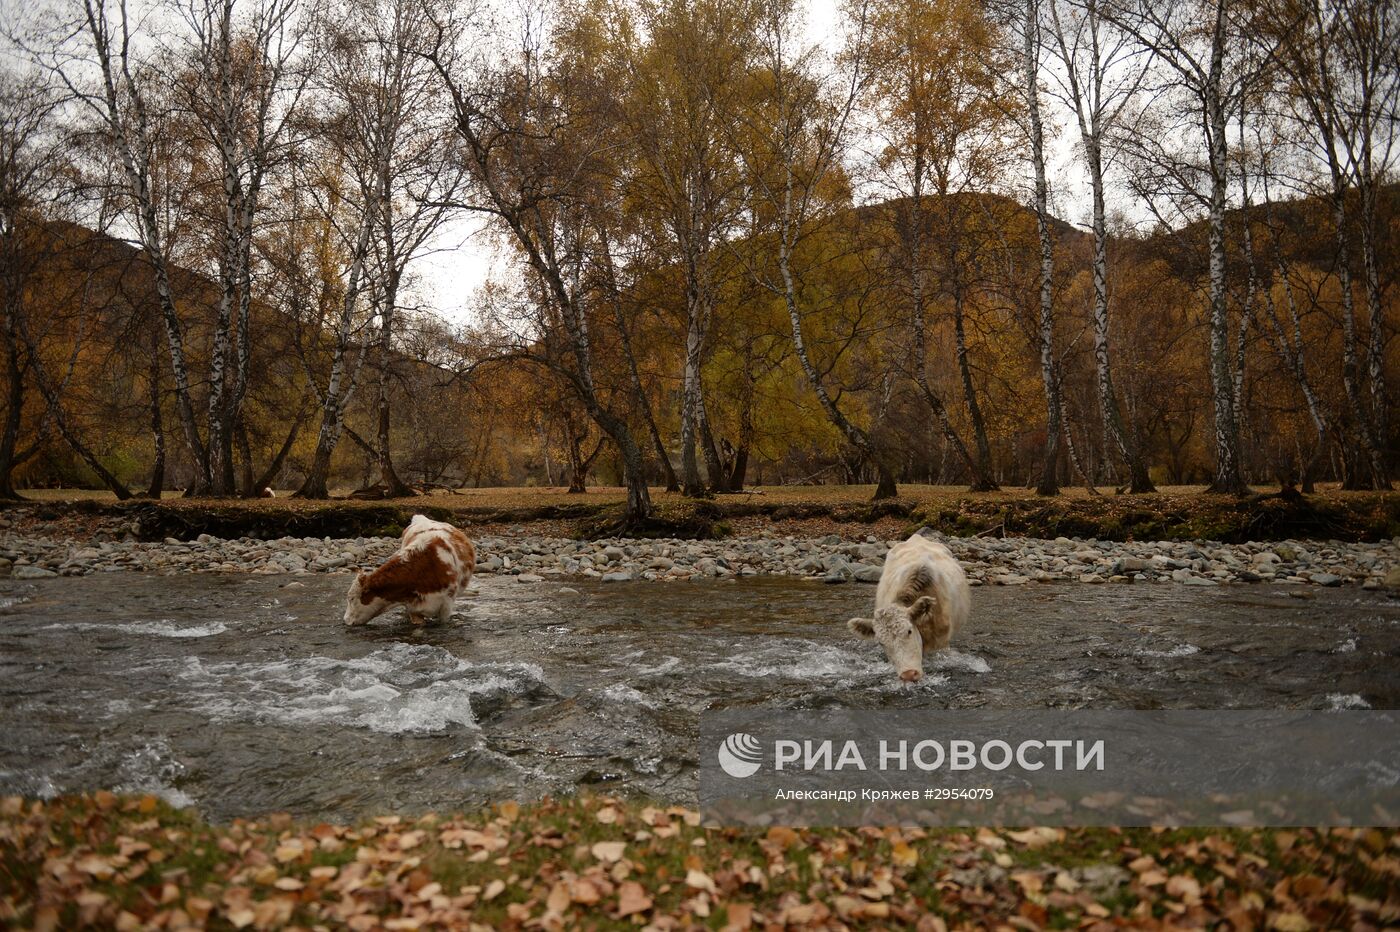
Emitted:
pixel 1174 513
pixel 534 497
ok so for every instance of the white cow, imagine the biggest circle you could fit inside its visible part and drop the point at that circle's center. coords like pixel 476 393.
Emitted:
pixel 922 599
pixel 434 563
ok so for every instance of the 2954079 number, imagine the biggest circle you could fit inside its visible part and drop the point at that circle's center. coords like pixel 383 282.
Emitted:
pixel 959 792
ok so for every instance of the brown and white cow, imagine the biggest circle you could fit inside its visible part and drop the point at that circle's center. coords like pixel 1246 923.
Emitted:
pixel 434 563
pixel 922 599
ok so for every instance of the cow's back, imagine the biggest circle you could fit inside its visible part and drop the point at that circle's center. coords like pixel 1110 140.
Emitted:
pixel 920 567
pixel 412 574
pixel 432 558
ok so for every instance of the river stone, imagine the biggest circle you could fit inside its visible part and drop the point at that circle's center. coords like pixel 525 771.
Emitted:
pixel 1392 578
pixel 872 551
pixel 1326 579
pixel 623 576
pixel 529 578
pixel 1101 879
pixel 29 571
pixel 867 574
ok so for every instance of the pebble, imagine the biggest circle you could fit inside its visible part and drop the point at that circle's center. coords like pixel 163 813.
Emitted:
pixel 830 559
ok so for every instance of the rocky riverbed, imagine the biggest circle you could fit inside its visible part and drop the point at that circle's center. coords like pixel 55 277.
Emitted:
pixel 831 559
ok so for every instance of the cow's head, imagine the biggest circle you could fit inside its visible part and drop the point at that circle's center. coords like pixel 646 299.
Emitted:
pixel 360 608
pixel 893 626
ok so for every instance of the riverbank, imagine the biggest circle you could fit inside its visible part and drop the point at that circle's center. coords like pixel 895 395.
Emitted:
pixel 1177 513
pixel 125 862
pixel 831 559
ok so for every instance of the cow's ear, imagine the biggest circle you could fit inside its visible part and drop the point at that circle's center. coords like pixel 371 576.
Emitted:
pixel 862 628
pixel 927 605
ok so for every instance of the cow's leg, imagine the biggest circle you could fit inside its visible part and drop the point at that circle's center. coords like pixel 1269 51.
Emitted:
pixel 444 614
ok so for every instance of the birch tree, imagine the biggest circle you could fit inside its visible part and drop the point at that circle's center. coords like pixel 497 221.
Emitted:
pixel 532 137
pixel 941 135
pixel 1340 83
pixel 685 62
pixel 243 89
pixel 800 121
pixel 1102 70
pixel 396 135
pixel 341 210
pixel 1371 62
pixel 1208 69
pixel 95 55
pixel 30 161
pixel 1032 45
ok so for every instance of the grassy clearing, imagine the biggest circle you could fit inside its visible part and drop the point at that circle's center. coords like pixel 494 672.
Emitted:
pixel 127 863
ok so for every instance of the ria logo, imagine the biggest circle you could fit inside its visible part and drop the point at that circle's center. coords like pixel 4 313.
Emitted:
pixel 740 755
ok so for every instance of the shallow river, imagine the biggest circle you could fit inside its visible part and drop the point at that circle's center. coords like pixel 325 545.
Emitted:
pixel 242 697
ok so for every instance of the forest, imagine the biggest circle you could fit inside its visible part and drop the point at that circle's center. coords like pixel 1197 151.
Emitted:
pixel 1104 243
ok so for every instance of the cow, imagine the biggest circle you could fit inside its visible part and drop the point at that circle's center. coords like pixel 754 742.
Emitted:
pixel 433 565
pixel 921 600
pixel 267 493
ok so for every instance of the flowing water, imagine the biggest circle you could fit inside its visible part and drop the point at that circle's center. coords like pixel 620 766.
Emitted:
pixel 243 695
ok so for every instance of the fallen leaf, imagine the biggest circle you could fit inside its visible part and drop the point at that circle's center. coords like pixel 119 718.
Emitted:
pixel 493 889
pixel 1152 878
pixel 1036 837
pixel 1030 882
pixel 289 851
pixel 609 851
pixel 739 917
pixel 699 880
pixel 783 836
pixel 585 891
pixel 903 855
pixel 631 898
pixel 1184 888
